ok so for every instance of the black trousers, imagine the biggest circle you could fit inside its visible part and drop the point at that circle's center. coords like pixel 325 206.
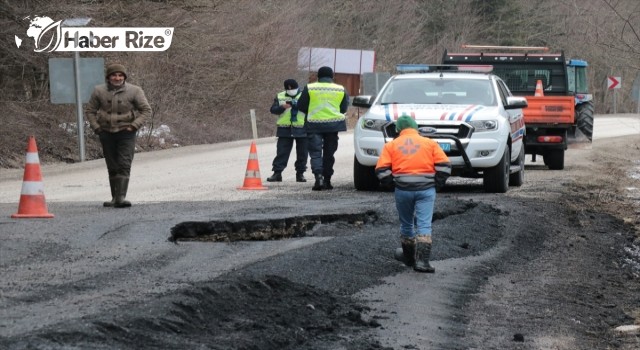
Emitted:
pixel 322 147
pixel 118 149
pixel 284 146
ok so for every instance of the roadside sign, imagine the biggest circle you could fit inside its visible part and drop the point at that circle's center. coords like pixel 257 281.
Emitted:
pixel 614 82
pixel 61 79
pixel 71 80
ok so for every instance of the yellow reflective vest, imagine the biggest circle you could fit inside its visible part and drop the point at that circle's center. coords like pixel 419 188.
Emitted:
pixel 284 120
pixel 324 102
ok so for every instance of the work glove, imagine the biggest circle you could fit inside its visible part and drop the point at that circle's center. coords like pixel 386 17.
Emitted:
pixel 387 181
pixel 440 180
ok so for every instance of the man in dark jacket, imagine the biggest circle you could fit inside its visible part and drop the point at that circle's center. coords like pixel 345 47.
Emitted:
pixel 116 111
pixel 325 104
pixel 290 128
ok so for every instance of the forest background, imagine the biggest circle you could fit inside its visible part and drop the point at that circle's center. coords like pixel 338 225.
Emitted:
pixel 230 56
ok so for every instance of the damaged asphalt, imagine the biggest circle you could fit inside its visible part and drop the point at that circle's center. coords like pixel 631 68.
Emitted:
pixel 548 265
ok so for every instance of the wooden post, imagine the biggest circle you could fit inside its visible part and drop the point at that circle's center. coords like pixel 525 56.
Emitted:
pixel 253 124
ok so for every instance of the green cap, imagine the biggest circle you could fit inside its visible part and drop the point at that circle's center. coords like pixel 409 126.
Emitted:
pixel 406 122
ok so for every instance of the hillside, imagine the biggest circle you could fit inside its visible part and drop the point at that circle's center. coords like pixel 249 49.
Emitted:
pixel 228 57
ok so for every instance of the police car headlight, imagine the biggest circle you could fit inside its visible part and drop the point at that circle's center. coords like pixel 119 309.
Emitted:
pixel 373 124
pixel 484 125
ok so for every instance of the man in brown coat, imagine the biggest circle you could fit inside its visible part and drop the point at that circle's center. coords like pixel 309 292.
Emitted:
pixel 116 111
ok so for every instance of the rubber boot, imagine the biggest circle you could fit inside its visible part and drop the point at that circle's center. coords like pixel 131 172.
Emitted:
pixel 423 252
pixel 112 184
pixel 300 177
pixel 326 183
pixel 121 192
pixel 276 177
pixel 407 254
pixel 318 185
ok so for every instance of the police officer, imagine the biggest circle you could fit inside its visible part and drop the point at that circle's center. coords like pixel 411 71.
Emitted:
pixel 325 104
pixel 417 165
pixel 116 110
pixel 290 128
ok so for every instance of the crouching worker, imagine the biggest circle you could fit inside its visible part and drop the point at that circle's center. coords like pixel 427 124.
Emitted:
pixel 116 111
pixel 416 165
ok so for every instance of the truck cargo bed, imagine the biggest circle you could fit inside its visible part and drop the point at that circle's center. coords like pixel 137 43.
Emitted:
pixel 549 110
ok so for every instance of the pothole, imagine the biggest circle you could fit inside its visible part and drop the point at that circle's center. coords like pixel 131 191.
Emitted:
pixel 264 229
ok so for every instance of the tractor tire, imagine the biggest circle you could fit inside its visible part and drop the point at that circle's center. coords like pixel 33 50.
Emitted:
pixel 364 177
pixel 584 119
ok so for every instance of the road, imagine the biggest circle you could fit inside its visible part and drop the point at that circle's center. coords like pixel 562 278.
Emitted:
pixel 91 266
pixel 206 172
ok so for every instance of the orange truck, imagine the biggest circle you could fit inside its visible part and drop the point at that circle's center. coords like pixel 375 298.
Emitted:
pixel 559 112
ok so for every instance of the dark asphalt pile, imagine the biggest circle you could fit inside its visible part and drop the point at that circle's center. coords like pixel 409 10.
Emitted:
pixel 270 313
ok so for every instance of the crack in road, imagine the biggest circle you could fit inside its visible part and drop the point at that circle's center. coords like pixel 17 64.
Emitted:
pixel 282 228
pixel 263 229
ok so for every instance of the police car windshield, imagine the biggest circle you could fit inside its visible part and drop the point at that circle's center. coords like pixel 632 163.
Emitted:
pixel 439 91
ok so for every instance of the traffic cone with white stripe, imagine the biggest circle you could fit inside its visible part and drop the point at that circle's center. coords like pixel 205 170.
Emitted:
pixel 252 179
pixel 32 203
pixel 539 90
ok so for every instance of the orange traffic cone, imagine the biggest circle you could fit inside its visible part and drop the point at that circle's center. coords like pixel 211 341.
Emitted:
pixel 32 203
pixel 252 179
pixel 539 91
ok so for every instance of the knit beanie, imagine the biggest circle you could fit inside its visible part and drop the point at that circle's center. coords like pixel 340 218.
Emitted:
pixel 290 84
pixel 405 122
pixel 115 68
pixel 325 72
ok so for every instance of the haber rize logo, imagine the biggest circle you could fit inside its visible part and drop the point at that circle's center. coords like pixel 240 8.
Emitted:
pixel 49 35
pixel 39 25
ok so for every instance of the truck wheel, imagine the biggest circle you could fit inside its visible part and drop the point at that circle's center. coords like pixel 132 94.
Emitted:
pixel 516 179
pixel 554 159
pixel 584 118
pixel 364 177
pixel 496 179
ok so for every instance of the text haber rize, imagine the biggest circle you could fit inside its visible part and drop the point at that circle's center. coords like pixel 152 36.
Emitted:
pixel 132 40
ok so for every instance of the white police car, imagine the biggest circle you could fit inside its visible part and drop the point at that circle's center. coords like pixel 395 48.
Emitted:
pixel 466 109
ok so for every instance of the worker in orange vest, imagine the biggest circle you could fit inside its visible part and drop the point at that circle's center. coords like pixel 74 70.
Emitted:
pixel 417 166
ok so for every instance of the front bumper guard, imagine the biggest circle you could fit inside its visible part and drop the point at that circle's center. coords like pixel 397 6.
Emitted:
pixel 389 132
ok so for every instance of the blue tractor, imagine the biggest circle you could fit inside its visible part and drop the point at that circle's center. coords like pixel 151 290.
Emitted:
pixel 578 86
